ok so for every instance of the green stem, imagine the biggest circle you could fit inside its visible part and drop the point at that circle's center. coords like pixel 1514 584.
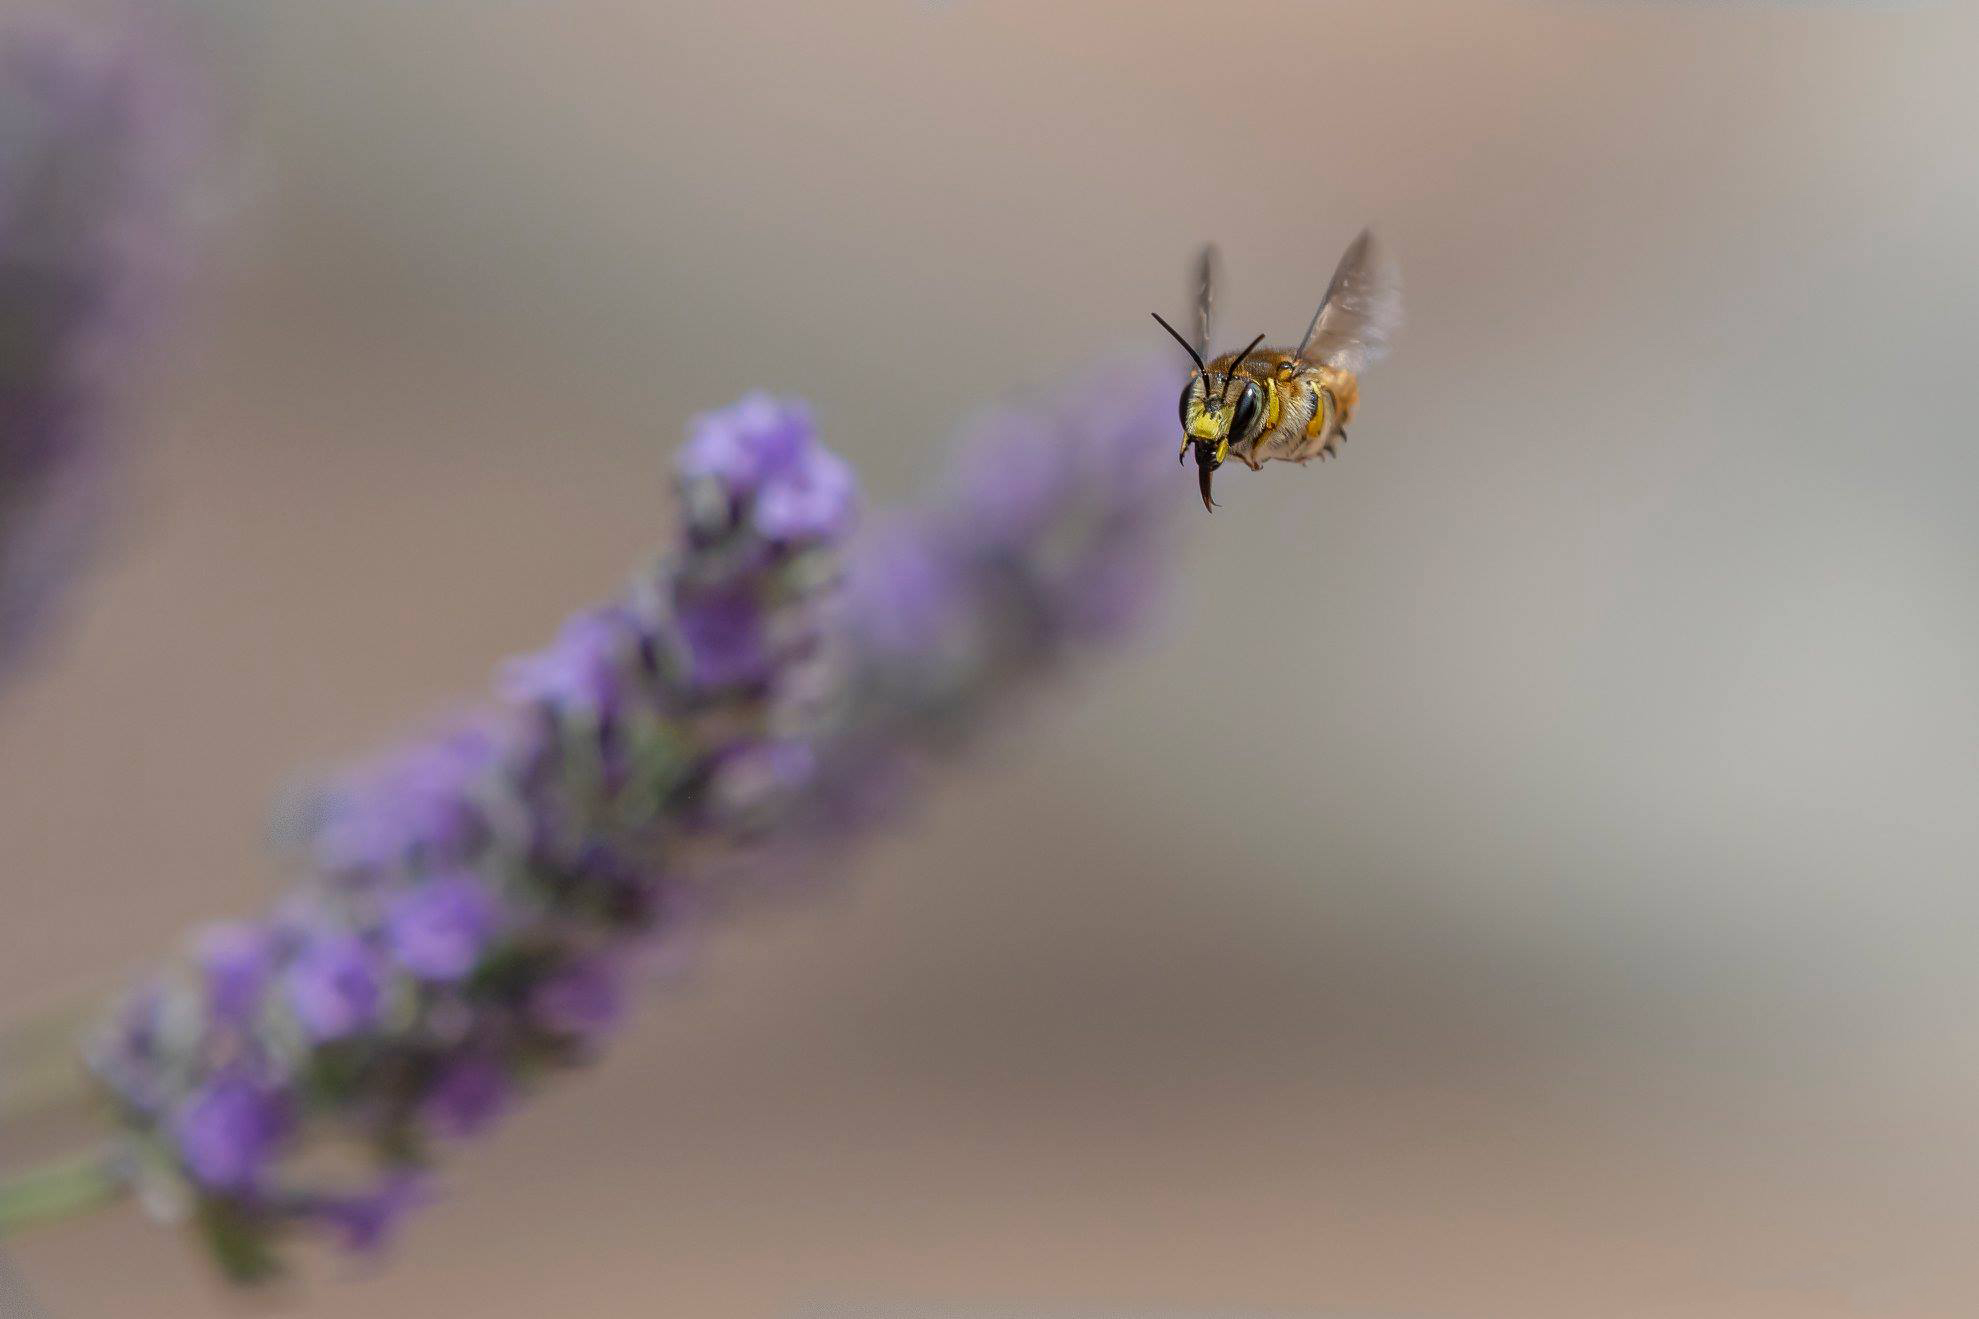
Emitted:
pixel 61 1190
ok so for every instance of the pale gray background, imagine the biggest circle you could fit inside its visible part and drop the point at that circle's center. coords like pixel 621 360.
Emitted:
pixel 1579 922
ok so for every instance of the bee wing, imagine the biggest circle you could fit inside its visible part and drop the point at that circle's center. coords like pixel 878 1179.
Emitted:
pixel 1362 310
pixel 1205 296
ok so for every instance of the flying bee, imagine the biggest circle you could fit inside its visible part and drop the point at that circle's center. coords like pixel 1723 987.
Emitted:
pixel 1266 403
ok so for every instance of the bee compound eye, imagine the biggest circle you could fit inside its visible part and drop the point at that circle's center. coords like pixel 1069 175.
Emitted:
pixel 1249 404
pixel 1188 391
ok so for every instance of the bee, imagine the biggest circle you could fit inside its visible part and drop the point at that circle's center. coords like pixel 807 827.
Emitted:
pixel 1266 403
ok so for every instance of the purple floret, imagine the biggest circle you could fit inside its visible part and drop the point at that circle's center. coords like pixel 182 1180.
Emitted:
pixel 334 986
pixel 722 631
pixel 467 1094
pixel 227 1131
pixel 583 1000
pixel 421 804
pixel 439 929
pixel 812 498
pixel 365 1222
pixel 744 445
pixel 585 670
pixel 237 958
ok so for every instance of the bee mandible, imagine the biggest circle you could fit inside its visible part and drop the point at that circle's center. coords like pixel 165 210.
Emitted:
pixel 1266 403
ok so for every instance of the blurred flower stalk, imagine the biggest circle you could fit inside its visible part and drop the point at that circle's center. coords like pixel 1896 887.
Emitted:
pixel 473 907
pixel 470 910
pixel 97 141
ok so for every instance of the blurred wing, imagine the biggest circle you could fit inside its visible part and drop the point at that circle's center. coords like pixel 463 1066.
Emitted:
pixel 1205 296
pixel 1362 312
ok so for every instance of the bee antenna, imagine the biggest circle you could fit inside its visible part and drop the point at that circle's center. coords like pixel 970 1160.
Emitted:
pixel 1236 362
pixel 1187 347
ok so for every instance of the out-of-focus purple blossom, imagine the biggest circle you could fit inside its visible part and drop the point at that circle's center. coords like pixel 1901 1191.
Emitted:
pixel 237 959
pixel 126 1051
pixel 476 898
pixel 583 670
pixel 754 782
pixel 582 1000
pixel 722 631
pixel 228 1130
pixel 813 497
pixel 1051 530
pixel 470 1091
pixel 334 986
pixel 747 444
pixel 439 928
pixel 909 602
pixel 95 160
pixel 417 805
pixel 762 449
pixel 366 1221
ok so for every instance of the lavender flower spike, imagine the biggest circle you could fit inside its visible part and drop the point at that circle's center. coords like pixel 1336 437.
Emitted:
pixel 474 898
pixel 476 903
pixel 93 236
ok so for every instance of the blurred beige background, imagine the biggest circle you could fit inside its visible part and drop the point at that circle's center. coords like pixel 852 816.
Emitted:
pixel 1585 924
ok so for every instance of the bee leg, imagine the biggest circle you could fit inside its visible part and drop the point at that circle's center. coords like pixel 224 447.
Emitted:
pixel 1325 412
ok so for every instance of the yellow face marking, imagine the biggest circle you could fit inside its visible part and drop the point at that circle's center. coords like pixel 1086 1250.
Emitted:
pixel 1270 404
pixel 1203 424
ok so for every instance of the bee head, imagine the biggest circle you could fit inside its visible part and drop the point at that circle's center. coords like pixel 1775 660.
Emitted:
pixel 1207 426
pixel 1222 410
pixel 1218 409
